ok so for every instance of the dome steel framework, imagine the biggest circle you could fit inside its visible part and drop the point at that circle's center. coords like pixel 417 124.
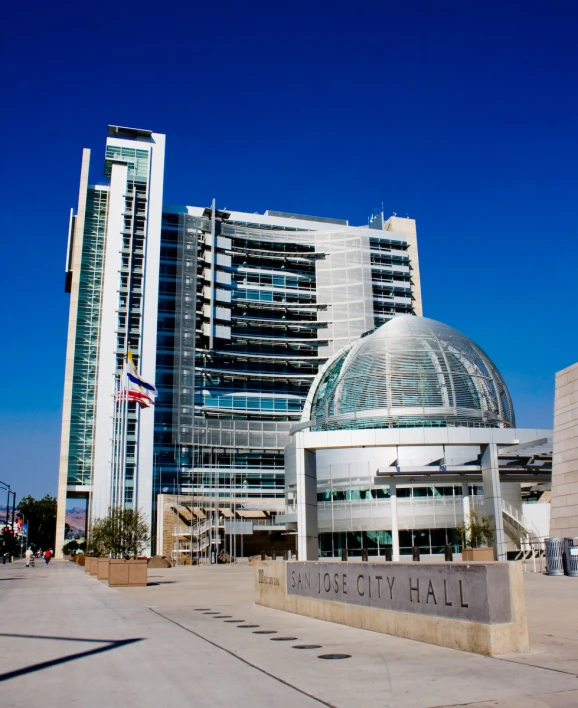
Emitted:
pixel 411 372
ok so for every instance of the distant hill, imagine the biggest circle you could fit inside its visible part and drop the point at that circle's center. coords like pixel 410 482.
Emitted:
pixel 3 513
pixel 76 519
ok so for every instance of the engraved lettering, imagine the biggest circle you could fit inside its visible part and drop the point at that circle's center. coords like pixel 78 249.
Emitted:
pixel 448 603
pixel 378 578
pixel 344 584
pixel 413 589
pixel 292 578
pixel 391 587
pixel 336 581
pixel 319 583
pixel 326 582
pixel 307 580
pixel 369 584
pixel 266 580
pixel 360 577
pixel 464 604
pixel 431 593
pixel 299 583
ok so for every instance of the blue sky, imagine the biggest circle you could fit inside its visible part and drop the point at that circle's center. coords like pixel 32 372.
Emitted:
pixel 461 115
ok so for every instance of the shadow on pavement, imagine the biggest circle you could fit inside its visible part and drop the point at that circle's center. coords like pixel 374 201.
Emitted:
pixel 109 644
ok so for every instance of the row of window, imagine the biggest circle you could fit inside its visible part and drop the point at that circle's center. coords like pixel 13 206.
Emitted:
pixel 272 296
pixel 251 403
pixel 402 493
pixel 427 540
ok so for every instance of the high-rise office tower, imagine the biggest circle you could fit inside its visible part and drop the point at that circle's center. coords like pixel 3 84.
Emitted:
pixel 230 314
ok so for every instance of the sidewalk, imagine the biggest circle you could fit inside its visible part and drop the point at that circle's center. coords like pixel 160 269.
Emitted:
pixel 67 639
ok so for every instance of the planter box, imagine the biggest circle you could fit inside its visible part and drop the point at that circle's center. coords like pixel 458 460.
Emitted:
pixel 481 555
pixel 93 566
pixel 88 564
pixel 132 573
pixel 102 568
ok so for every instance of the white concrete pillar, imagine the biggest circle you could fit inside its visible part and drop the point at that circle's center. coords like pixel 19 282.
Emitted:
pixel 493 496
pixel 306 498
pixel 394 526
pixel 466 501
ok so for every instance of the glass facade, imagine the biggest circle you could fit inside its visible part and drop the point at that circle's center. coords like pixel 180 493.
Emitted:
pixel 248 308
pixel 106 275
pixel 411 372
pixel 429 542
pixel 354 518
pixel 82 414
pixel 243 328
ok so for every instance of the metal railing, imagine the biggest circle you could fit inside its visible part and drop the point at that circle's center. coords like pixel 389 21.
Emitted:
pixel 526 527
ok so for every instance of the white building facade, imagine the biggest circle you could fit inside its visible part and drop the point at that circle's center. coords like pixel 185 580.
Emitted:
pixel 112 276
pixel 230 314
pixel 404 435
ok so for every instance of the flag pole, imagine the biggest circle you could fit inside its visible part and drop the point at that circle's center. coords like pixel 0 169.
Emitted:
pixel 124 435
pixel 114 441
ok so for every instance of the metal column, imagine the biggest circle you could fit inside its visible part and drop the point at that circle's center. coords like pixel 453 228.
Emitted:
pixel 306 493
pixel 493 496
pixel 394 525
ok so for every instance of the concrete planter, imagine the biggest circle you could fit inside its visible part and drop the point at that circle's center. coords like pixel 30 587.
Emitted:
pixel 88 564
pixel 102 568
pixel 93 566
pixel 478 555
pixel 132 573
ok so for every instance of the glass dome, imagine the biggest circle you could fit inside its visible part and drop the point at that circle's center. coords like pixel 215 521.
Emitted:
pixel 411 372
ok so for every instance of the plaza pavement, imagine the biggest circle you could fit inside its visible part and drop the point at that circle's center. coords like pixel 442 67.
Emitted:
pixel 67 639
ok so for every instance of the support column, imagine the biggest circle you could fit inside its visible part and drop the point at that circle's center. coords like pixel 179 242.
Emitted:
pixel 466 502
pixel 493 496
pixel 306 493
pixel 394 526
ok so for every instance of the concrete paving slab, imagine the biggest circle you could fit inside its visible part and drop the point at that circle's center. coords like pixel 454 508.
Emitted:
pixel 67 639
pixel 383 670
pixel 54 619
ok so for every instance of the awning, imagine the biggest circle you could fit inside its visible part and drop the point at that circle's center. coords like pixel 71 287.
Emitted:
pixel 199 513
pixel 252 514
pixel 184 512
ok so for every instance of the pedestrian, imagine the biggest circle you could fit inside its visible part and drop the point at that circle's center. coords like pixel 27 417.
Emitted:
pixel 28 555
pixel 47 556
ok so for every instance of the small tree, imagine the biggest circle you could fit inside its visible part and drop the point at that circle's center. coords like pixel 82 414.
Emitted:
pixel 479 531
pixel 41 517
pixel 69 548
pixel 122 533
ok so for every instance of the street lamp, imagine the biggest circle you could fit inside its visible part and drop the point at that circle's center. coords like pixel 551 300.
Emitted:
pixel 9 490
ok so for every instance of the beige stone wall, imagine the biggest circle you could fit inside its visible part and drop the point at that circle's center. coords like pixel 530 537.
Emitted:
pixel 169 522
pixel 564 512
pixel 476 637
pixel 408 228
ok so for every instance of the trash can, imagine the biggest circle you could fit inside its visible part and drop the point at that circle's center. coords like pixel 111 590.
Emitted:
pixel 554 549
pixel 571 550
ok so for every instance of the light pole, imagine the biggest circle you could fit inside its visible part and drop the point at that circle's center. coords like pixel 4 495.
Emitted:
pixel 9 490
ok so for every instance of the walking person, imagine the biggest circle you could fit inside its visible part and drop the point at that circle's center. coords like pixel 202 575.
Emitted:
pixel 47 556
pixel 29 554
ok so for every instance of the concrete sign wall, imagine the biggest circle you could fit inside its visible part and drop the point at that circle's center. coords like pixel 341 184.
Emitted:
pixel 477 607
pixel 478 593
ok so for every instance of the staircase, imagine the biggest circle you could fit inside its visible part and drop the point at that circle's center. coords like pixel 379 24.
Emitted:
pixel 518 524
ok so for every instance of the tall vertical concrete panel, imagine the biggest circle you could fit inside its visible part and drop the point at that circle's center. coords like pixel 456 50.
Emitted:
pixel 564 512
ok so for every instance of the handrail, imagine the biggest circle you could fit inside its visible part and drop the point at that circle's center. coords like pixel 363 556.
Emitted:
pixel 524 524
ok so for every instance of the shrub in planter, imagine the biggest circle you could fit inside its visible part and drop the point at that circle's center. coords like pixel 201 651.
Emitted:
pixel 478 532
